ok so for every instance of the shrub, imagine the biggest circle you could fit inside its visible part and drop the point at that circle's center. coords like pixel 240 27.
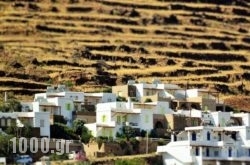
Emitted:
pixel 135 161
pixel 147 100
pixel 119 98
pixel 143 133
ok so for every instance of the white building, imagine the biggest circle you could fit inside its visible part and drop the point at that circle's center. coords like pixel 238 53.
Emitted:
pixel 39 120
pixel 223 138
pixel 111 117
pixel 142 90
pixel 95 98
pixel 58 101
pixel 3 160
pixel 35 119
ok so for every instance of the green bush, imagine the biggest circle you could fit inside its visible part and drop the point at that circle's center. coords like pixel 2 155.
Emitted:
pixel 135 161
pixel 148 100
pixel 119 98
pixel 56 156
pixel 62 131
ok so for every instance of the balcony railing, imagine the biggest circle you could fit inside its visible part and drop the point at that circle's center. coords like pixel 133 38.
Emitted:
pixel 132 124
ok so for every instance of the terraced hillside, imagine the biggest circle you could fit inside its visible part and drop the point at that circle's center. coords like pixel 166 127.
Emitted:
pixel 90 43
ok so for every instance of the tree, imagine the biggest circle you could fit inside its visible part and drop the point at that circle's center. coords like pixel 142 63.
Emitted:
pixel 6 146
pixel 55 156
pixel 128 132
pixel 86 135
pixel 81 130
pixel 11 105
pixel 77 126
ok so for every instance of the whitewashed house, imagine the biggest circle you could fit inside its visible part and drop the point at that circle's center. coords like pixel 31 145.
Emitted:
pixel 58 101
pixel 34 119
pixel 111 117
pixel 95 98
pixel 202 99
pixel 223 138
pixel 141 91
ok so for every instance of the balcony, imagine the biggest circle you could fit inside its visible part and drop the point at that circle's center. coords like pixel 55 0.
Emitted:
pixel 211 143
pixel 131 124
pixel 126 111
pixel 110 124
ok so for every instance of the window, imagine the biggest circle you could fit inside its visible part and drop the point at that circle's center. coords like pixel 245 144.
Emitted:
pixel 216 153
pixel 229 152
pixel 193 136
pixel 103 118
pixel 208 136
pixel 219 136
pixel 8 122
pixel 249 152
pixel 197 151
pixel 118 120
pixel 42 123
pixel 124 119
pixel 68 107
pixel 3 122
pixel 207 152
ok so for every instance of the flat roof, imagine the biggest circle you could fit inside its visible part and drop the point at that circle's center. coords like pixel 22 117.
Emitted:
pixel 105 125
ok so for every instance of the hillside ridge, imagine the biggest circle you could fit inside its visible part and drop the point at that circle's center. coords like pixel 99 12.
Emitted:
pixel 91 44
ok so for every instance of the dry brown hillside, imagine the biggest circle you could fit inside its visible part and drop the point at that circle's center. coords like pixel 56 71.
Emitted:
pixel 90 43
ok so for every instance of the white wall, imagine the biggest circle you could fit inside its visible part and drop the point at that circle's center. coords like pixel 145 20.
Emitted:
pixel 40 95
pixel 92 127
pixel 3 160
pixel 162 108
pixel 139 90
pixel 35 106
pixel 74 96
pixel 192 93
pixel 220 118
pixel 67 106
pixel 146 120
pixel 45 116
pixel 246 119
pixel 108 97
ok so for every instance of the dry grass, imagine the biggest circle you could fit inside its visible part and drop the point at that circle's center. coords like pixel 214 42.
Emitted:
pixel 64 32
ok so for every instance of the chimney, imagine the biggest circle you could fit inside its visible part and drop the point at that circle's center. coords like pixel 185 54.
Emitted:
pixel 129 103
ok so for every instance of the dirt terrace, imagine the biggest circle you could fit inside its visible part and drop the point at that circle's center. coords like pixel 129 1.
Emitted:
pixel 89 44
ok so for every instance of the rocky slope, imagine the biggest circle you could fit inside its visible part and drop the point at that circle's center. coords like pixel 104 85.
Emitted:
pixel 88 44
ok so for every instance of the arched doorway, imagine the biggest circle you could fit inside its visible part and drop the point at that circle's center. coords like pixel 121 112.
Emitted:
pixel 158 125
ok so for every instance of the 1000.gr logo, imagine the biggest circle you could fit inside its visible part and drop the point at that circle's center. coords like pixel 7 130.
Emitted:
pixel 34 145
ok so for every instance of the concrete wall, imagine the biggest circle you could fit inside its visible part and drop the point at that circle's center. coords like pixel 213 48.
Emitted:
pixel 121 90
pixel 179 122
pixel 93 149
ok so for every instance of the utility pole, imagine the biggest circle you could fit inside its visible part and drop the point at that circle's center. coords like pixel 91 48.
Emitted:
pixel 147 142
pixel 5 97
